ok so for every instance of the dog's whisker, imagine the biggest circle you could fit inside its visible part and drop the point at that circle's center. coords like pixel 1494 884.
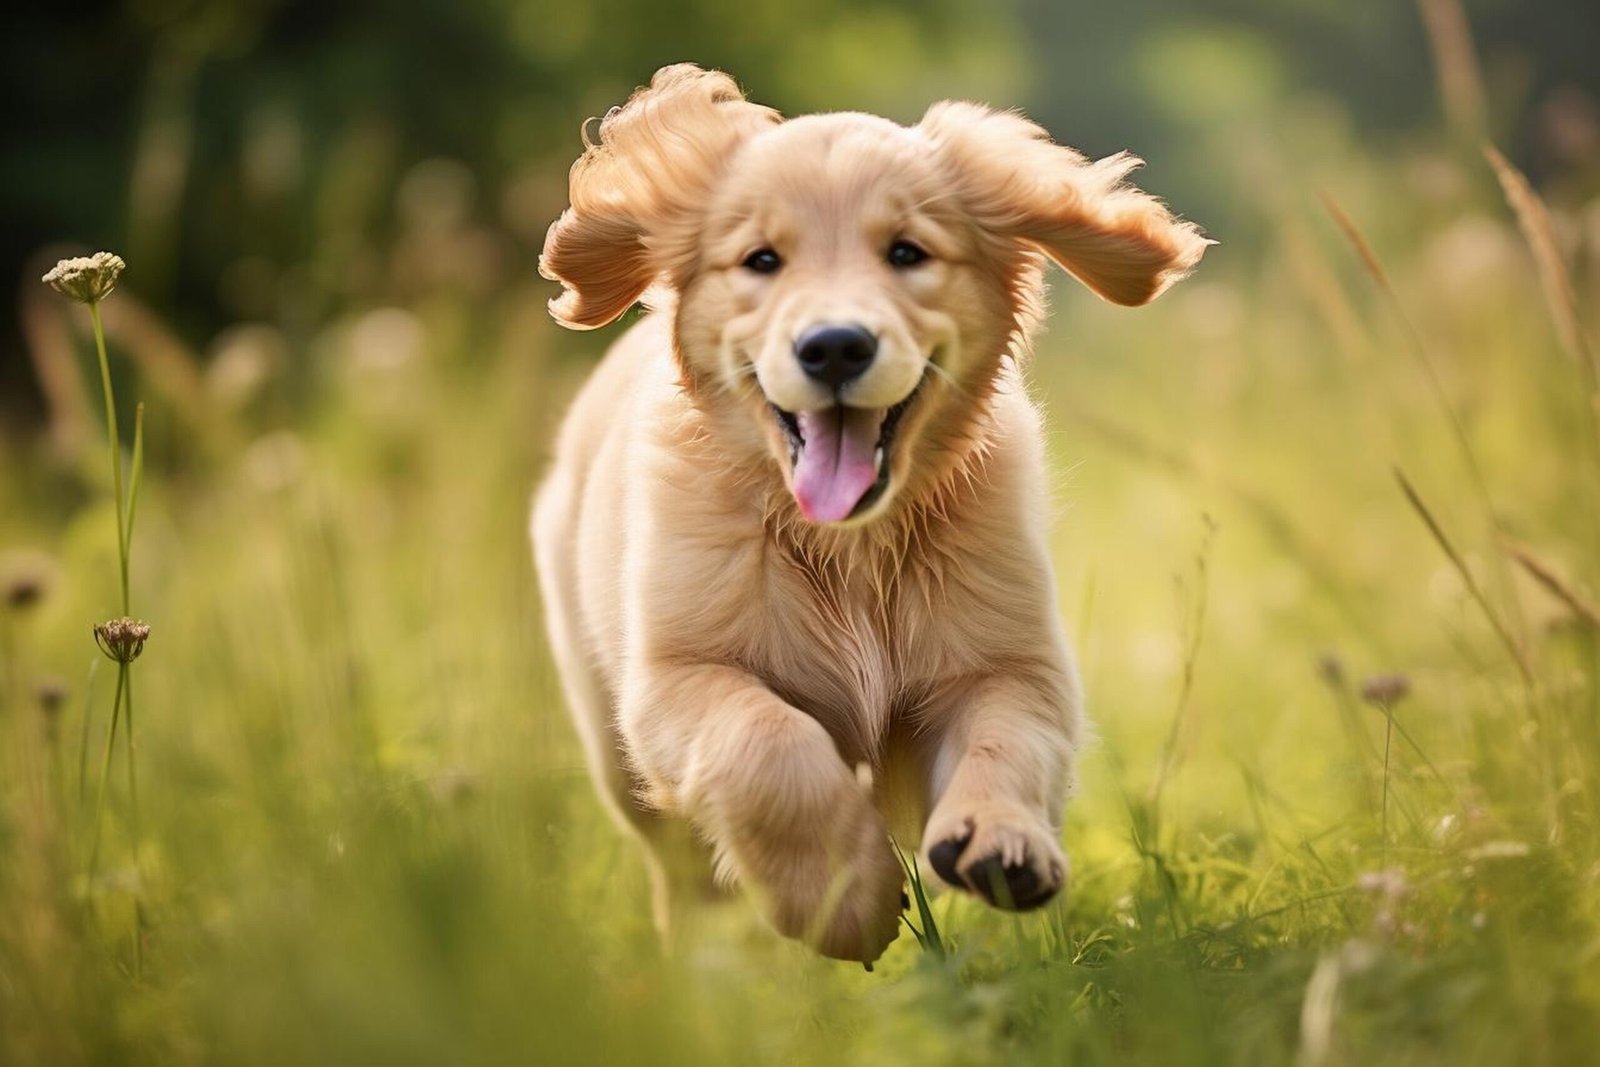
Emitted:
pixel 948 378
pixel 744 385
pixel 736 381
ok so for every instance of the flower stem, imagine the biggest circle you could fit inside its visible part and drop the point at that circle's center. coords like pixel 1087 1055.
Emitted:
pixel 123 701
pixel 111 445
pixel 133 776
pixel 1388 742
pixel 133 819
pixel 127 668
pixel 136 469
pixel 105 769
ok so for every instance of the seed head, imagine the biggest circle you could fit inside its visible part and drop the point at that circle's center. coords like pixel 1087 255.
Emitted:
pixel 1389 883
pixel 122 639
pixel 1385 690
pixel 86 279
pixel 51 693
pixel 24 579
pixel 23 591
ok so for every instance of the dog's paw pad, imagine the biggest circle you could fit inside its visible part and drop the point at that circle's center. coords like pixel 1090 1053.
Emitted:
pixel 1015 888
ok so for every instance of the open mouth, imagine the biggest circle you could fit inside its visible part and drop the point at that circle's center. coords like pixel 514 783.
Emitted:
pixel 841 457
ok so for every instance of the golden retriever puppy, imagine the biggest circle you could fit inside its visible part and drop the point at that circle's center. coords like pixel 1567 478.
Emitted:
pixel 792 545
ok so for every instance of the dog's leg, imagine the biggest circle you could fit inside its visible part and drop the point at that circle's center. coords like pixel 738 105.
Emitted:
pixel 765 783
pixel 680 867
pixel 681 870
pixel 999 780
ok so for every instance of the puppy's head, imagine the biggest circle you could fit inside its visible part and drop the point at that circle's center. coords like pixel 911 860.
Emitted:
pixel 846 287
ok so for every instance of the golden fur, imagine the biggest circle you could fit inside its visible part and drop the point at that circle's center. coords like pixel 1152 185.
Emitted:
pixel 785 688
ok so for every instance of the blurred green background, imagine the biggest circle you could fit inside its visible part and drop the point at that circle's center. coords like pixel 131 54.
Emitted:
pixel 267 161
pixel 1344 805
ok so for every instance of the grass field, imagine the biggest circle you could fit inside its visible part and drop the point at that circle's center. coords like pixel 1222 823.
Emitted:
pixel 1343 805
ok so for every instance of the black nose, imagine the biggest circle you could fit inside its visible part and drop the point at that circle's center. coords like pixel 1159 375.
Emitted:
pixel 833 355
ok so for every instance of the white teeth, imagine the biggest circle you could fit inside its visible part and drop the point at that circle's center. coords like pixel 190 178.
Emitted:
pixel 877 460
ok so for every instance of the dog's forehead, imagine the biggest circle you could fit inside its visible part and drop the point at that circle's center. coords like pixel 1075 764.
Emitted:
pixel 832 154
pixel 832 126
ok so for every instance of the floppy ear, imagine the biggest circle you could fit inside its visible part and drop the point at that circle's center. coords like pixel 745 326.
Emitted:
pixel 1122 243
pixel 654 160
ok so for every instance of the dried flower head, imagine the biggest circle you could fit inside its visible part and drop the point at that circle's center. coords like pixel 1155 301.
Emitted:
pixel 22 591
pixel 1385 690
pixel 1389 883
pixel 1331 669
pixel 122 639
pixel 86 279
pixel 24 579
pixel 51 693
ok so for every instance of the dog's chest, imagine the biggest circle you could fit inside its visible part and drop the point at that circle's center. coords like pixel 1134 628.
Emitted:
pixel 849 647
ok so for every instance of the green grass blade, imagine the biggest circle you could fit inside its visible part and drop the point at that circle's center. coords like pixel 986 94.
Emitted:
pixel 928 937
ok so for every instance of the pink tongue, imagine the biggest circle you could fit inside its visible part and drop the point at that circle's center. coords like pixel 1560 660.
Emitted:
pixel 836 466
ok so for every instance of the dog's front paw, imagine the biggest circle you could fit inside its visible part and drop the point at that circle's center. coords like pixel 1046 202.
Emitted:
pixel 844 898
pixel 1009 858
pixel 833 881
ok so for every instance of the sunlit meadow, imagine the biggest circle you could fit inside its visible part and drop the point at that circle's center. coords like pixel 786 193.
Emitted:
pixel 1327 520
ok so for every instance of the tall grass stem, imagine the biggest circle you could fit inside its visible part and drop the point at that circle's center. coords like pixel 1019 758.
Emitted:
pixel 1430 372
pixel 1473 588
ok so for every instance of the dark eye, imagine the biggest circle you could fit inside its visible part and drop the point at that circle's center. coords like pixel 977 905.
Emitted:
pixel 906 254
pixel 763 261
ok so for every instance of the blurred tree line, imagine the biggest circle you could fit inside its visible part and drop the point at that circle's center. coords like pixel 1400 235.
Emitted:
pixel 265 159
